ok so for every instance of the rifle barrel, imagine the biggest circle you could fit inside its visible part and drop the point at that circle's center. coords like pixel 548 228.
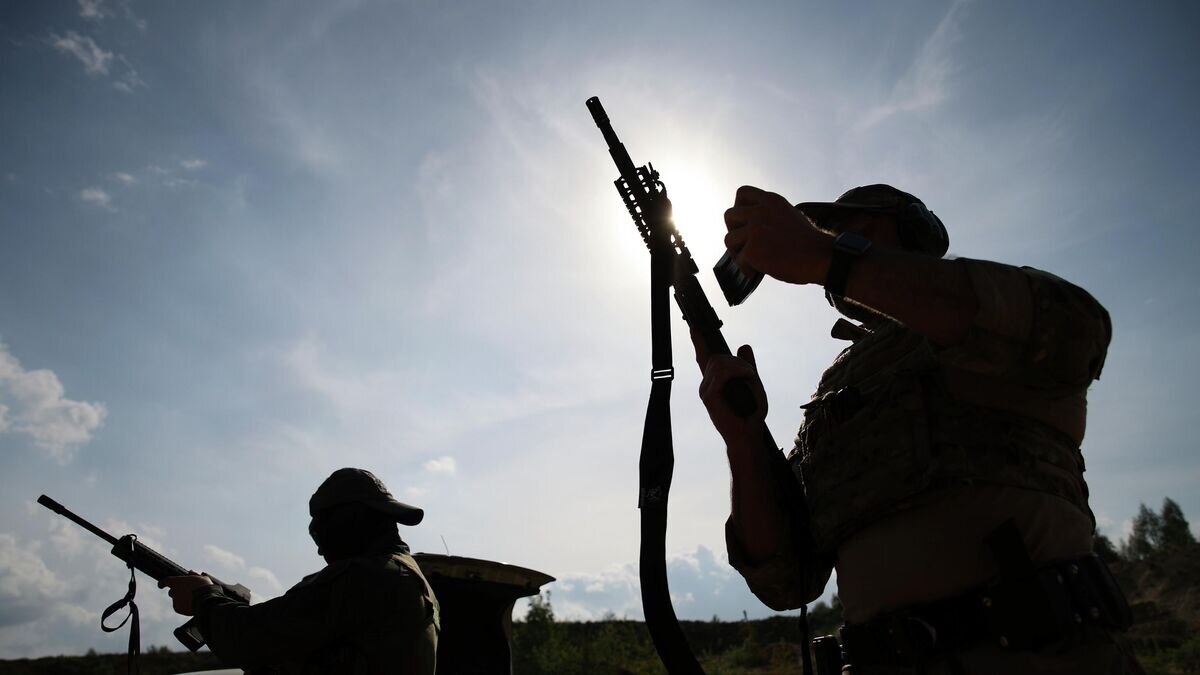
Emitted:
pixel 66 513
pixel 615 147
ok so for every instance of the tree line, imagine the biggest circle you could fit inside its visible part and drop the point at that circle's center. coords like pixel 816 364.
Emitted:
pixel 1153 535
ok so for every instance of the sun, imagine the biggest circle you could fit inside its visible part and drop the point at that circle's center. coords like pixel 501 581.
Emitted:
pixel 701 186
pixel 699 197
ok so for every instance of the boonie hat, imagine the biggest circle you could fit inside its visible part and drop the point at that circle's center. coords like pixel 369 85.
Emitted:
pixel 920 228
pixel 864 198
pixel 359 486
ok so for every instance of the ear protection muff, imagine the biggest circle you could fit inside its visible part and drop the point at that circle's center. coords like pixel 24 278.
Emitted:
pixel 921 230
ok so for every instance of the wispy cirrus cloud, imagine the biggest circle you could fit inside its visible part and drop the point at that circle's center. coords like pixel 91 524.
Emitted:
pixel 33 403
pixel 96 61
pixel 129 80
pixel 926 82
pixel 194 163
pixel 98 10
pixel 93 10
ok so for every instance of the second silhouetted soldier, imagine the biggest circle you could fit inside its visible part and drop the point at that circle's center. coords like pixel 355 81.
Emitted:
pixel 370 610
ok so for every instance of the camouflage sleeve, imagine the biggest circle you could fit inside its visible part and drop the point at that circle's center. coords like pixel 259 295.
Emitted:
pixel 785 580
pixel 1032 327
pixel 270 633
pixel 326 612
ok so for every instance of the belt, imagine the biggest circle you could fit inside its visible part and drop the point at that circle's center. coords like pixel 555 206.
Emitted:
pixel 1020 614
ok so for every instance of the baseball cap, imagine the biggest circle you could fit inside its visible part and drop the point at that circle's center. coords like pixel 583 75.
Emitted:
pixel 349 485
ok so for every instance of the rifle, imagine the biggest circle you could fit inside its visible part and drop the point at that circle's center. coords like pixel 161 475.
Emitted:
pixel 672 266
pixel 138 556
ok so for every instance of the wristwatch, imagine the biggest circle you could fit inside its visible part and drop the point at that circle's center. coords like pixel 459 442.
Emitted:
pixel 847 247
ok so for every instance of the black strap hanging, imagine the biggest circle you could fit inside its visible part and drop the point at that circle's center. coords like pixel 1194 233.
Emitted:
pixel 805 641
pixel 135 643
pixel 655 469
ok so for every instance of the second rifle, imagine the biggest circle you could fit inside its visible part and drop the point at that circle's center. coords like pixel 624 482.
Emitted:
pixel 138 556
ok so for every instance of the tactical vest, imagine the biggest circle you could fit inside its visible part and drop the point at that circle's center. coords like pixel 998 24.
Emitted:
pixel 411 651
pixel 890 426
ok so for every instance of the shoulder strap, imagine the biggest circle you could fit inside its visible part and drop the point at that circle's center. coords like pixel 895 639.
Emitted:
pixel 135 640
pixel 655 468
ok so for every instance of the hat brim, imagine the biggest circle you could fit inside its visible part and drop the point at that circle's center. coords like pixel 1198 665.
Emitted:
pixel 821 212
pixel 405 514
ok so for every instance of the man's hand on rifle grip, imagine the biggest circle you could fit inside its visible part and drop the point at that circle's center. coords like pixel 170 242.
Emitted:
pixel 719 370
pixel 181 589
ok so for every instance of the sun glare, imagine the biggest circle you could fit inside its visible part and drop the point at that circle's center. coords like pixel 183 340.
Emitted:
pixel 699 198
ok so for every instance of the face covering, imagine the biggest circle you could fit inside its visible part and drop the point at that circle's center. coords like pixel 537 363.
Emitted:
pixel 352 530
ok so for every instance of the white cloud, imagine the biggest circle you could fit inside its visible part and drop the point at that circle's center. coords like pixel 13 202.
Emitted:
pixel 262 582
pixel 126 178
pixel 268 579
pixel 66 538
pixel 702 585
pixel 441 465
pixel 127 11
pixel 225 559
pixel 27 587
pixel 35 405
pixel 149 535
pixel 96 197
pixel 93 9
pixel 194 163
pixel 94 59
pixel 130 79
pixel 1126 530
pixel 98 62
pixel 925 83
pixel 415 491
pixel 51 597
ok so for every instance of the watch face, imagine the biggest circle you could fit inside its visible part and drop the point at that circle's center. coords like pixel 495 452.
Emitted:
pixel 852 243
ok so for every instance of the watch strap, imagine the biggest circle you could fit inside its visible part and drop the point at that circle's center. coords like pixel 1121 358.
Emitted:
pixel 847 248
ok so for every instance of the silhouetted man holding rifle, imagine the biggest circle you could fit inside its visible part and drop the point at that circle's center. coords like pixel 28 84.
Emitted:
pixel 940 455
pixel 370 610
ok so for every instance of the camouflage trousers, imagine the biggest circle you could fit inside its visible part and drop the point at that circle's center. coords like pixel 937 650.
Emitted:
pixel 1092 651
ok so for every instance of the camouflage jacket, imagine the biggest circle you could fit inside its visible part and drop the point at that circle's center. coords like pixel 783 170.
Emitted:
pixel 372 614
pixel 897 419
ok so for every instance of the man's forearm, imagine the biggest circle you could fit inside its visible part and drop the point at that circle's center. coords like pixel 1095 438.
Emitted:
pixel 932 296
pixel 757 514
pixel 929 295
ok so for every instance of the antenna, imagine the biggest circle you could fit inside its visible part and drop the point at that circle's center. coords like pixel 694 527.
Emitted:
pixel 444 544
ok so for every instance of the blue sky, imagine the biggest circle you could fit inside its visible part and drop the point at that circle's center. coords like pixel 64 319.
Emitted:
pixel 242 245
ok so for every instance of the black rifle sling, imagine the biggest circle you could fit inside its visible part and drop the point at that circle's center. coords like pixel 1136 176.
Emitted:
pixel 135 641
pixel 654 471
